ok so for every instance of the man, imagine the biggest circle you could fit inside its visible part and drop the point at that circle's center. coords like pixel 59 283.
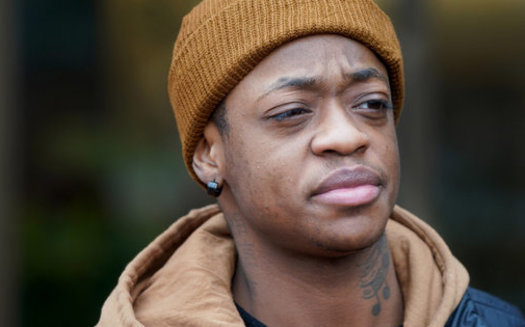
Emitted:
pixel 286 110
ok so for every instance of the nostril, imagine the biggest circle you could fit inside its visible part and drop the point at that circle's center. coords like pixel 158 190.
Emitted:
pixel 361 149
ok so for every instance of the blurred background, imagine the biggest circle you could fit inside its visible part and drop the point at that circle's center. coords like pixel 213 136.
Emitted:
pixel 90 163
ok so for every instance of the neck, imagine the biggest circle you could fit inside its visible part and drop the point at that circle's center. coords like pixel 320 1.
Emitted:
pixel 281 289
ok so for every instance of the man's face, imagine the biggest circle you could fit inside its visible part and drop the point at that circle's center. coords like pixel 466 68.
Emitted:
pixel 310 157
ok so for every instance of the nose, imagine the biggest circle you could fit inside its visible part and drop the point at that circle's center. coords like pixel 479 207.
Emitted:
pixel 338 132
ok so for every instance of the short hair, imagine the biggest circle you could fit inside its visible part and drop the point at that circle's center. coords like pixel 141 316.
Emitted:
pixel 219 118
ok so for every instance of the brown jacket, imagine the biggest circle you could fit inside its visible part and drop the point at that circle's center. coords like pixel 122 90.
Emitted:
pixel 183 277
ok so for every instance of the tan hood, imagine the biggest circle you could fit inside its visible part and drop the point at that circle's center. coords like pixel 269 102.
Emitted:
pixel 183 277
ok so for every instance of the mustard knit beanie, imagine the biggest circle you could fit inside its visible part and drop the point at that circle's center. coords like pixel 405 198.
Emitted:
pixel 221 41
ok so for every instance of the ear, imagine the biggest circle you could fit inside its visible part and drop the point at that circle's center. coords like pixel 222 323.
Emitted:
pixel 208 158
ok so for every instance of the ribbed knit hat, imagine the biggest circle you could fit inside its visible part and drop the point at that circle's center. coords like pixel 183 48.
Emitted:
pixel 221 41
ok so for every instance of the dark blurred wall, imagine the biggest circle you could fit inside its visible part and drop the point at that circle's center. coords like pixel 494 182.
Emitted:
pixel 9 280
pixel 92 147
pixel 462 133
pixel 479 51
pixel 63 220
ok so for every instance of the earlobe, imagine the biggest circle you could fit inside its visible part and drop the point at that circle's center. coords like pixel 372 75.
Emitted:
pixel 208 156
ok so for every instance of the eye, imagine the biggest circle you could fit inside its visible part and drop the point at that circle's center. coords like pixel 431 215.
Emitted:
pixel 289 114
pixel 376 105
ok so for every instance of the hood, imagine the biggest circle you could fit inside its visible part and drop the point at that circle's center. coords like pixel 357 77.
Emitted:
pixel 183 278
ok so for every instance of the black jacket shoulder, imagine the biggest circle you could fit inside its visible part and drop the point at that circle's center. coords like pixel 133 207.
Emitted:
pixel 480 309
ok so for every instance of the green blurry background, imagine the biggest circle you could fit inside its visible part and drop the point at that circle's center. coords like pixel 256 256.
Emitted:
pixel 91 168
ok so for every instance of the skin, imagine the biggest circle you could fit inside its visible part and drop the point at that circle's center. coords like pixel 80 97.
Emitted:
pixel 314 106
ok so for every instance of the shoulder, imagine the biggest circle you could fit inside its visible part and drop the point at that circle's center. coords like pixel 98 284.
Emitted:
pixel 480 309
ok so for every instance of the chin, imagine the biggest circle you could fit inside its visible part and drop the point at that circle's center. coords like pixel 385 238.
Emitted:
pixel 341 238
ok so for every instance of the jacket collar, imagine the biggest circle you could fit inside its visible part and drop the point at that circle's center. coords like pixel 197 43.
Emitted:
pixel 183 277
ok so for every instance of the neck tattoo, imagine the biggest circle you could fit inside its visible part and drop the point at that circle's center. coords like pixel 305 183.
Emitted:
pixel 373 272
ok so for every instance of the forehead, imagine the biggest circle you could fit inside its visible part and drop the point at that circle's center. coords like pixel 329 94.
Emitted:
pixel 312 48
pixel 320 57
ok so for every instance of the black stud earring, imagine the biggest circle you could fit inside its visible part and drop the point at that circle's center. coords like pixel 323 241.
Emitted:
pixel 214 189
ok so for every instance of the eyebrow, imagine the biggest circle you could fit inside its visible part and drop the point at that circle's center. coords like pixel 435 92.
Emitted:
pixel 309 82
pixel 366 74
pixel 295 82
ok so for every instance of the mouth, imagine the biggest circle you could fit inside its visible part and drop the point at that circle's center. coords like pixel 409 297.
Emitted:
pixel 349 187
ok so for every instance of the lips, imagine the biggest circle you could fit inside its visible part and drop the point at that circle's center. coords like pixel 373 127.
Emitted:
pixel 349 187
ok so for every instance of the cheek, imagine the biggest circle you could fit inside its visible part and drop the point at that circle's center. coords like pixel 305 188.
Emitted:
pixel 391 152
pixel 390 157
pixel 248 167
pixel 393 148
pixel 261 175
pixel 261 190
